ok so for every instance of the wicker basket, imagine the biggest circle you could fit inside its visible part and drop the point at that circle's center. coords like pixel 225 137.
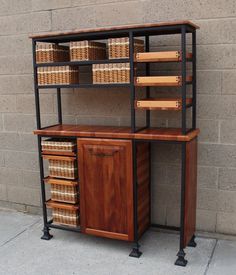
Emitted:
pixel 119 47
pixel 49 52
pixel 60 145
pixel 111 73
pixel 58 75
pixel 64 190
pixel 66 214
pixel 87 50
pixel 62 168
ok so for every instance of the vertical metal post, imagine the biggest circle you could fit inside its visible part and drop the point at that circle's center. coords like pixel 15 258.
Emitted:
pixel 147 74
pixel 36 90
pixel 183 72
pixel 180 260
pixel 132 86
pixel 46 235
pixel 59 108
pixel 194 84
pixel 135 251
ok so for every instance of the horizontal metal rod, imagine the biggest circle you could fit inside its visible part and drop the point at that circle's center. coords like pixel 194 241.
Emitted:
pixel 64 227
pixel 169 227
pixel 110 85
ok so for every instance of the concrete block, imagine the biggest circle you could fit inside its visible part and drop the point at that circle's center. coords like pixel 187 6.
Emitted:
pixel 216 107
pixel 7 103
pixel 174 10
pixel 10 176
pixel 227 179
pixel 173 174
pixel 35 210
pixel 207 199
pixel 14 7
pixel 116 13
pixel 2 158
pixel 15 45
pixel 23 195
pixel 28 143
pixel 3 192
pixel 206 220
pixel 216 57
pixel 11 205
pixel 158 174
pixel 98 120
pixel 26 104
pixel 158 211
pixel 9 141
pixel 21 160
pixel 172 216
pixel 227 201
pixel 228 82
pixel 25 23
pixel 30 179
pixel 228 131
pixel 217 155
pixel 13 64
pixel 38 5
pixel 209 130
pixel 73 18
pixel 226 223
pixel 14 84
pixel 166 153
pixel 207 177
pixel 209 82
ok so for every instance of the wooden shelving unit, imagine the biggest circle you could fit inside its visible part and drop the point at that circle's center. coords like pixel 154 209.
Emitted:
pixel 118 204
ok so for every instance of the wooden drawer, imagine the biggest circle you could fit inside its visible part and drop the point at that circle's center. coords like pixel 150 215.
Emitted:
pixel 161 104
pixel 168 56
pixel 160 80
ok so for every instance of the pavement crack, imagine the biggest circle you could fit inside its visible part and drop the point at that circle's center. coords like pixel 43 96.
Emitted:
pixel 210 259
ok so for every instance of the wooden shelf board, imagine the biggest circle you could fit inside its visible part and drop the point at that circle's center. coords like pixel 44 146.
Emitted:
pixel 164 104
pixel 51 180
pixel 68 206
pixel 59 153
pixel 105 29
pixel 172 134
pixel 53 157
pixel 167 56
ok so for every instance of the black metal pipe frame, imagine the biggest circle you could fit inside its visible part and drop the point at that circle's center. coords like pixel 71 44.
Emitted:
pixel 59 107
pixel 194 87
pixel 132 87
pixel 147 69
pixel 183 73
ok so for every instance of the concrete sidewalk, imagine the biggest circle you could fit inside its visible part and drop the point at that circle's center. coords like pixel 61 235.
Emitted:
pixel 23 252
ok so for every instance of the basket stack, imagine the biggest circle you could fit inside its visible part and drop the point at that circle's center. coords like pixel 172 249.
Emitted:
pixel 87 50
pixel 58 75
pixel 49 52
pixel 111 73
pixel 119 47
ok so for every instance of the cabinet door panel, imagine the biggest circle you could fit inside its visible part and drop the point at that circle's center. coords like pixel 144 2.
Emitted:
pixel 106 187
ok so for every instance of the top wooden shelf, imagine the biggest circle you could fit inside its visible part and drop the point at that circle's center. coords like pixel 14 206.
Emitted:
pixel 169 134
pixel 139 29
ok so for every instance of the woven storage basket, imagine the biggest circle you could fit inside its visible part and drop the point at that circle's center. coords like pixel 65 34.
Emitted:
pixel 58 75
pixel 65 193
pixel 111 73
pixel 66 169
pixel 87 50
pixel 119 47
pixel 49 52
pixel 63 213
pixel 61 145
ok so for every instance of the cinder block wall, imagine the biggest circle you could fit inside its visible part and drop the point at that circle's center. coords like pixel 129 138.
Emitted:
pixel 19 174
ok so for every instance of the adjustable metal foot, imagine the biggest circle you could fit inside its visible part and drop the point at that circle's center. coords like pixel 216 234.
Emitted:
pixel 192 242
pixel 136 253
pixel 181 261
pixel 46 235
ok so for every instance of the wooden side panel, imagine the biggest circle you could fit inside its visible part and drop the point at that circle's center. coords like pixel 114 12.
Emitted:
pixel 190 190
pixel 143 187
pixel 106 188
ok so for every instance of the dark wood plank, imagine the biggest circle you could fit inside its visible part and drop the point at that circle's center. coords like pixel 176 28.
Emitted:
pixel 58 153
pixel 190 191
pixel 143 187
pixel 102 29
pixel 172 134
pixel 106 187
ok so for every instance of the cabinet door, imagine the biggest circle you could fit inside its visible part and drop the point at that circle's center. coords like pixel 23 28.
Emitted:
pixel 106 187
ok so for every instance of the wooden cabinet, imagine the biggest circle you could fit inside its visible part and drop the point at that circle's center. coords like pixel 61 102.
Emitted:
pixel 106 188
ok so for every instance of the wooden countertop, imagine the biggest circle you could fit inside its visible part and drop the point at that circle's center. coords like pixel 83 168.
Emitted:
pixel 168 134
pixel 122 27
